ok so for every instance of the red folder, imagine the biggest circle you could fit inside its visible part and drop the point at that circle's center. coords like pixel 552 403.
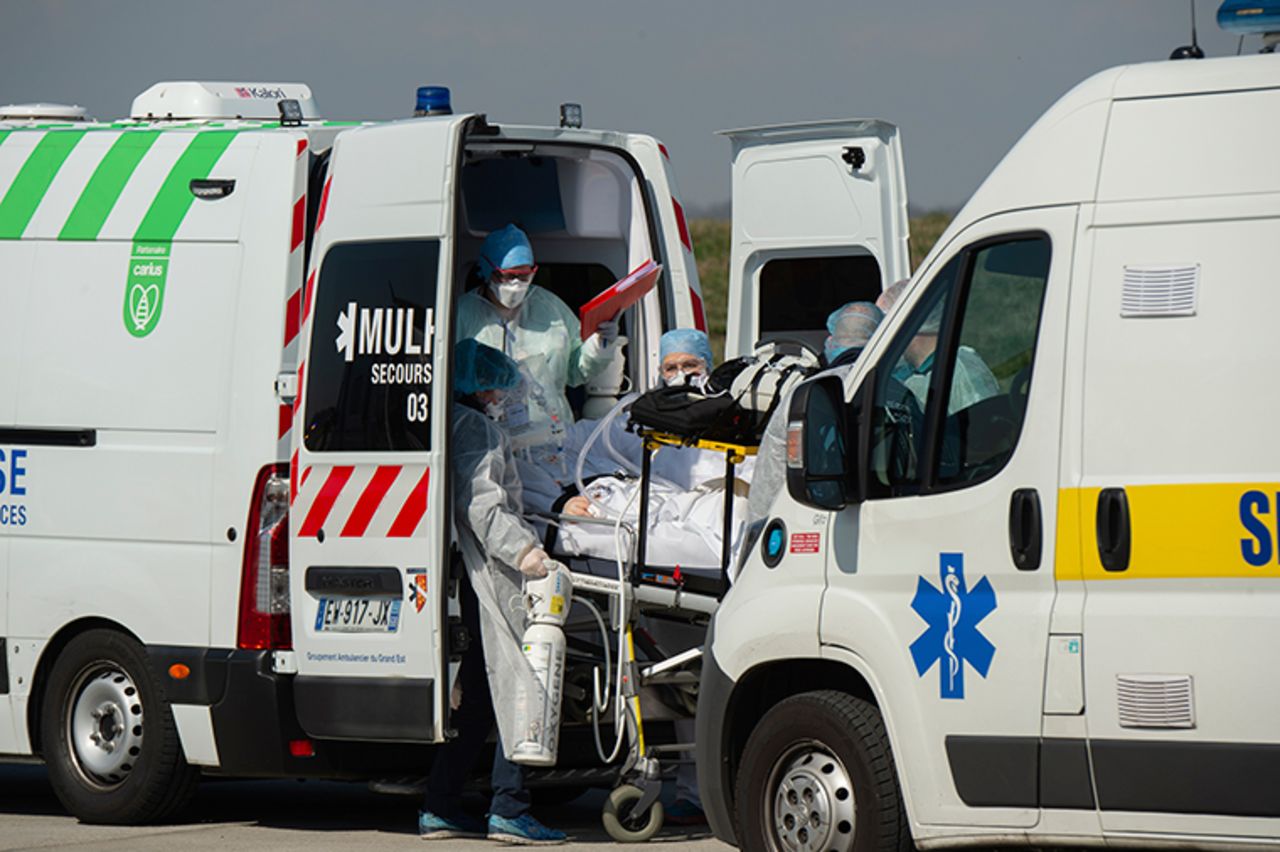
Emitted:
pixel 616 299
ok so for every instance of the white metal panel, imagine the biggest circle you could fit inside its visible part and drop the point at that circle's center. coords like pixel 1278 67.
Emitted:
pixel 794 195
pixel 145 182
pixel 84 369
pixel 1184 397
pixel 16 259
pixel 1185 147
pixel 1064 676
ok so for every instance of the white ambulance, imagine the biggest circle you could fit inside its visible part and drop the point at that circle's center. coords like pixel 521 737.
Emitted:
pixel 164 426
pixel 1023 586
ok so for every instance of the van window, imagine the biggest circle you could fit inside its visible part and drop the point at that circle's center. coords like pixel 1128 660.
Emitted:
pixel 962 361
pixel 798 293
pixel 369 372
pixel 902 392
pixel 991 373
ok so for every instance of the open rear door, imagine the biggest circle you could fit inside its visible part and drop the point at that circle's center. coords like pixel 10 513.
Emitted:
pixel 819 219
pixel 368 521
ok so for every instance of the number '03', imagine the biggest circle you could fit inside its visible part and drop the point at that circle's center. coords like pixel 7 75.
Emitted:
pixel 1261 545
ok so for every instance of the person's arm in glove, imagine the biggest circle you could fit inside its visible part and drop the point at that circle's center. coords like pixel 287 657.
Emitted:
pixel 599 349
pixel 531 564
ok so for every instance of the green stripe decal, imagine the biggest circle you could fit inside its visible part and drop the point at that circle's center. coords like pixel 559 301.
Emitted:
pixel 33 180
pixel 171 203
pixel 3 134
pixel 103 190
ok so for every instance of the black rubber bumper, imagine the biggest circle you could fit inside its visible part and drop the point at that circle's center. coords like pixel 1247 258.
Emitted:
pixel 712 740
pixel 251 706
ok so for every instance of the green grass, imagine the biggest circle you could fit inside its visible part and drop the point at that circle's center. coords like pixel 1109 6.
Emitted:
pixel 711 247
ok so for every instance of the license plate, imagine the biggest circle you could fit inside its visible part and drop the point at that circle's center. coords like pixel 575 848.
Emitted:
pixel 358 615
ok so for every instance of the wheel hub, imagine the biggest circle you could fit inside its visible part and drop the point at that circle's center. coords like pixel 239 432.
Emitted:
pixel 105 725
pixel 813 806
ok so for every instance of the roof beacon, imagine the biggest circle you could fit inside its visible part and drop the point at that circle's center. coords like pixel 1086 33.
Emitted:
pixel 433 100
pixel 1247 17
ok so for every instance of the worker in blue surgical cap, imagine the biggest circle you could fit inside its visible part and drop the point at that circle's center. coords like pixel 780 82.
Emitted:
pixel 686 356
pixel 540 333
pixel 495 682
pixel 849 329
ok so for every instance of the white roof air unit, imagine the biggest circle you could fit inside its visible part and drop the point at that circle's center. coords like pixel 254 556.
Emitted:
pixel 227 101
pixel 42 112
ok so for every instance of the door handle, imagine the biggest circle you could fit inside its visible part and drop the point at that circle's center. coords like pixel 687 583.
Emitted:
pixel 1113 529
pixel 1026 529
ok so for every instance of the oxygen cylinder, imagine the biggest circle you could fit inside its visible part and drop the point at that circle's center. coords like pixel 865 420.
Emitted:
pixel 546 603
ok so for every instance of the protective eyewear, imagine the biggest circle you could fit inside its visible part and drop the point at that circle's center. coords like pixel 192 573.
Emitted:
pixel 517 273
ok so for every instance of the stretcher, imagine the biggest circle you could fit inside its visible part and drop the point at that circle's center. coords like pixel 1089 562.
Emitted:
pixel 621 596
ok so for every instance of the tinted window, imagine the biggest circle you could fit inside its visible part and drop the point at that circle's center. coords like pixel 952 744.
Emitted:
pixel 904 387
pixel 797 294
pixel 369 373
pixel 956 376
pixel 991 374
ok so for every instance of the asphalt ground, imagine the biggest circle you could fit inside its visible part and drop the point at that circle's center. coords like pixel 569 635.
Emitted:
pixel 282 815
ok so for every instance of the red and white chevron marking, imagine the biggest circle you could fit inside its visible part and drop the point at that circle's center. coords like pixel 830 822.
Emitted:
pixel 293 303
pixel 308 294
pixel 358 501
pixel 690 262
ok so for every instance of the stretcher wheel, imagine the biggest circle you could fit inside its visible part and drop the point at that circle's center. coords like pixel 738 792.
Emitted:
pixel 625 826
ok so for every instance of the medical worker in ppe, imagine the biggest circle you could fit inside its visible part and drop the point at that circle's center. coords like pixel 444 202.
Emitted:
pixel 541 334
pixel 971 379
pixel 849 327
pixel 498 549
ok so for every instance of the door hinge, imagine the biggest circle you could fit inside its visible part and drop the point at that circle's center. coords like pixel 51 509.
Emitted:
pixel 284 662
pixel 287 387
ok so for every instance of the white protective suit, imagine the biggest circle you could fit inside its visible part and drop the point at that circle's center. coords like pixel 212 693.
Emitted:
pixel 971 381
pixel 544 339
pixel 493 537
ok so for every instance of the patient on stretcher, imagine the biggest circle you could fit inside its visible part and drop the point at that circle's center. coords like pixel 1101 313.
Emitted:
pixel 687 485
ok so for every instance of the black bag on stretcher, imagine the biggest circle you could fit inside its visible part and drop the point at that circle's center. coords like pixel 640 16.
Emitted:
pixel 735 403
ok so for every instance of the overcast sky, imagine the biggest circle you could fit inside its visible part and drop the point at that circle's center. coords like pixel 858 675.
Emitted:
pixel 962 78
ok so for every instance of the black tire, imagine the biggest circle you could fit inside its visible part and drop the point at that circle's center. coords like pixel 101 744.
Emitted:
pixel 817 772
pixel 134 772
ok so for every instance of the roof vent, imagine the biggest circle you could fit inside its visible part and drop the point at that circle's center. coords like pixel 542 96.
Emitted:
pixel 1160 291
pixel 42 112
pixel 1155 701
pixel 226 101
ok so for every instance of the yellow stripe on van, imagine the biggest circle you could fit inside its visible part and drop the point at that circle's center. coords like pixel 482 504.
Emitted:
pixel 1183 531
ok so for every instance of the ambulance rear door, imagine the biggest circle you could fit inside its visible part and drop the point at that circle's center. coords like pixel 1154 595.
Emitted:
pixel 369 534
pixel 819 219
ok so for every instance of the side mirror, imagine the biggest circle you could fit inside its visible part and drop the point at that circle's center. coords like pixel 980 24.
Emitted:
pixel 820 435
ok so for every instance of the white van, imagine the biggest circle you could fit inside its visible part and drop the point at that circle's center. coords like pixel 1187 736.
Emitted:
pixel 153 289
pixel 1024 583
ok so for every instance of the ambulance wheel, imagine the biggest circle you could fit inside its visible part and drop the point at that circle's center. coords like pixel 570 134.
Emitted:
pixel 108 736
pixel 625 826
pixel 817 774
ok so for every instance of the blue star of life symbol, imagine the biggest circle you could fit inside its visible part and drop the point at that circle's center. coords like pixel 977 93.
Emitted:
pixel 953 613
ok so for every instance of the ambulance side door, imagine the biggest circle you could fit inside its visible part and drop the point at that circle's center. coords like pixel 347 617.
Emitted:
pixel 942 579
pixel 819 220
pixel 368 522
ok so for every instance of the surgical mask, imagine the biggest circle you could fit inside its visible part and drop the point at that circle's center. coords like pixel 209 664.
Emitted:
pixel 681 379
pixel 510 294
pixel 495 410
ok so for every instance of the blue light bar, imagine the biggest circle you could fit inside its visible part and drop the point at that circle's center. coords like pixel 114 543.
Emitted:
pixel 433 100
pixel 1250 16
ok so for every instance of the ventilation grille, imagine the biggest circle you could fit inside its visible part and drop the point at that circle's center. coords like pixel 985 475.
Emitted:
pixel 1160 291
pixel 1155 701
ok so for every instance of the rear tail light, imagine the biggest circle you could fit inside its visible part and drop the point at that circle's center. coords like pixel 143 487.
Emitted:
pixel 264 582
